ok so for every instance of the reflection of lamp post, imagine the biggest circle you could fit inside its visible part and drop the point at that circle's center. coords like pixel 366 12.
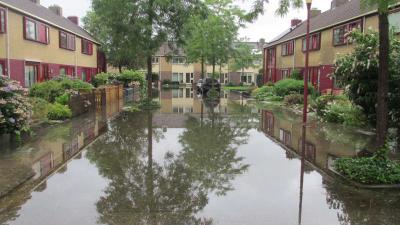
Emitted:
pixel 306 67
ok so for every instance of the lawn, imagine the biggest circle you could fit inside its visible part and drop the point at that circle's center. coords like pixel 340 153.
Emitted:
pixel 237 88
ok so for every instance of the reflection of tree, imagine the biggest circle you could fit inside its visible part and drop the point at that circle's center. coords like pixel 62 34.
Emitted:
pixel 361 207
pixel 142 191
pixel 210 148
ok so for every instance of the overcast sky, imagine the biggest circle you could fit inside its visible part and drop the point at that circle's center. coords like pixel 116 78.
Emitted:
pixel 267 26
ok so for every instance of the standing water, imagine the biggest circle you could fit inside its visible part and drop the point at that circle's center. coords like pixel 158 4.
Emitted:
pixel 193 161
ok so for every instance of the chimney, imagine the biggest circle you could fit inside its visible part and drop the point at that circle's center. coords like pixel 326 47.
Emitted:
pixel 74 19
pixel 56 10
pixel 36 1
pixel 295 22
pixel 337 3
pixel 315 12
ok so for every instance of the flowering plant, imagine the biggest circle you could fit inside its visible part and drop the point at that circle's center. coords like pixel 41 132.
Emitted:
pixel 15 109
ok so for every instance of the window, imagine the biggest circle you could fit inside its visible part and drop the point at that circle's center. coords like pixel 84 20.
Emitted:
pixel 285 137
pixel 3 20
pixel 2 67
pixel 87 47
pixel 177 77
pixel 31 74
pixel 36 31
pixel 285 73
pixel 246 78
pixel 287 48
pixel 177 93
pixel 67 70
pixel 394 21
pixel 315 42
pixel 271 56
pixel 178 60
pixel 155 60
pixel 67 41
pixel 339 33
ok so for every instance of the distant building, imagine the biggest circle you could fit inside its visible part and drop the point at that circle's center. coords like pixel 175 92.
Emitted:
pixel 38 43
pixel 172 65
pixel 328 41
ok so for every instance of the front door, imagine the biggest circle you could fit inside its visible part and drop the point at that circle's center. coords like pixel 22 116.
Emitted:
pixel 44 73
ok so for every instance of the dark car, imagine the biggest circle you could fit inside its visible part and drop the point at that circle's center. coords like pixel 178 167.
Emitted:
pixel 205 85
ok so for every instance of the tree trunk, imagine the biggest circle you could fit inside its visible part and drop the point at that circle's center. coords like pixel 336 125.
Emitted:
pixel 382 111
pixel 149 77
pixel 202 67
pixel 120 68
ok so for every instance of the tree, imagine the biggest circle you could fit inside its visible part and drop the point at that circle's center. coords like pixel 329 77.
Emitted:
pixel 108 22
pixel 383 78
pixel 243 57
pixel 144 24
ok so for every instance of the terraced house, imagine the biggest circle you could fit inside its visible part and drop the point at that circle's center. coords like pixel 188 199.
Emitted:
pixel 328 41
pixel 38 43
pixel 173 66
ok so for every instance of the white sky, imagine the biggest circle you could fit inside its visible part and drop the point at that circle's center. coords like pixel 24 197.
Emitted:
pixel 267 26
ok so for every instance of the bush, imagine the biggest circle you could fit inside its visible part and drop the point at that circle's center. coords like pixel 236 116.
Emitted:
pixel 40 108
pixel 290 86
pixel 270 84
pixel 63 99
pixel 15 108
pixel 293 99
pixel 338 109
pixel 59 112
pixel 129 76
pixel 48 90
pixel 296 75
pixel 377 169
pixel 101 79
pixel 166 82
pixel 52 89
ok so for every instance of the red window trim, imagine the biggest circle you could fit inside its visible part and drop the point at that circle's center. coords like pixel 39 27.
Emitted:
pixel 5 21
pixel 311 39
pixel 67 68
pixel 346 26
pixel 290 48
pixel 47 30
pixel 88 51
pixel 67 34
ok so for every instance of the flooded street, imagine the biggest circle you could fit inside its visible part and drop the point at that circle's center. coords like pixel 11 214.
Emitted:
pixel 193 161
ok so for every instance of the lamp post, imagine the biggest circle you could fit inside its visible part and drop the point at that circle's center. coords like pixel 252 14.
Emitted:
pixel 306 66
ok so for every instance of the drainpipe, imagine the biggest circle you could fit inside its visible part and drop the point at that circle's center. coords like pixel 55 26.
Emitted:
pixel 76 60
pixel 8 45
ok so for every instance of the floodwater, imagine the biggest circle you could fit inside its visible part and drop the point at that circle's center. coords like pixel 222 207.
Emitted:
pixel 193 161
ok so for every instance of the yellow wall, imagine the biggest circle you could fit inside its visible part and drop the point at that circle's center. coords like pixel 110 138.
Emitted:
pixel 22 49
pixel 328 53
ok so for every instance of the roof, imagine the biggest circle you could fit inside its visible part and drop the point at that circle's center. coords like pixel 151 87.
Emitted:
pixel 340 14
pixel 42 13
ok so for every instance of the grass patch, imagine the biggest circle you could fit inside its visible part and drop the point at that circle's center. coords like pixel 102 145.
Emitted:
pixel 237 88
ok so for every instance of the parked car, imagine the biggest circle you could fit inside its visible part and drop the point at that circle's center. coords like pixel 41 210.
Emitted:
pixel 203 86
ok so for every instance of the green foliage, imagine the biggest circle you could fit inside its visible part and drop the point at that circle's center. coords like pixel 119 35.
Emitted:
pixel 296 75
pixel 15 108
pixel 358 72
pixel 290 86
pixel 63 99
pixel 127 77
pixel 293 99
pixel 378 169
pixel 243 57
pixel 40 108
pixel 102 79
pixel 263 92
pixel 58 111
pixel 50 90
pixel 338 109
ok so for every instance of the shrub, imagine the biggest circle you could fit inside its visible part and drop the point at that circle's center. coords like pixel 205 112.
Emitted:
pixel 63 99
pixel 262 92
pixel 377 169
pixel 270 84
pixel 293 99
pixel 52 89
pixel 319 104
pixel 166 82
pixel 59 112
pixel 14 107
pixel 40 108
pixel 296 75
pixel 101 79
pixel 129 76
pixel 290 86
pixel 48 90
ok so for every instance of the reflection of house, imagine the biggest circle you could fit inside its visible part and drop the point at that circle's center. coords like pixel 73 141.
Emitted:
pixel 328 42
pixel 287 129
pixel 39 43
pixel 172 65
